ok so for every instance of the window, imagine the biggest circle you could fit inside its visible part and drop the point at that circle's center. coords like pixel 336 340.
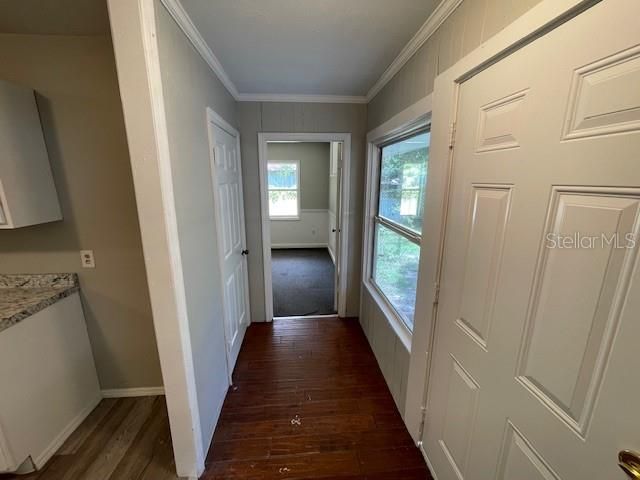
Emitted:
pixel 397 222
pixel 284 189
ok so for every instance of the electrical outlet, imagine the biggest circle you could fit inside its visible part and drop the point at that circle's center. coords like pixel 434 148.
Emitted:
pixel 87 259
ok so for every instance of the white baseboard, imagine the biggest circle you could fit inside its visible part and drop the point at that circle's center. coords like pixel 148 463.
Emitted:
pixel 132 392
pixel 299 245
pixel 57 442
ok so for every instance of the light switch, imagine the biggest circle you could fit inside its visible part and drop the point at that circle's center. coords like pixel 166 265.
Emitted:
pixel 88 261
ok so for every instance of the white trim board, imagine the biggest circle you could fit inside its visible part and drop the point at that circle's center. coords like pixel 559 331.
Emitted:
pixel 132 392
pixel 276 246
pixel 181 17
pixel 133 29
pixel 300 98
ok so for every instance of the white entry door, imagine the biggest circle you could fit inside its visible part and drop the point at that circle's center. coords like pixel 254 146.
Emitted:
pixel 536 362
pixel 227 178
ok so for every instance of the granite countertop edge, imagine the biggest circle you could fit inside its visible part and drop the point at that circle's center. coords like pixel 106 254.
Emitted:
pixel 58 292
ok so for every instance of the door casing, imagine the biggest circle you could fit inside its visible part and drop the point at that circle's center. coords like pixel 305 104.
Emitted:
pixel 538 21
pixel 343 221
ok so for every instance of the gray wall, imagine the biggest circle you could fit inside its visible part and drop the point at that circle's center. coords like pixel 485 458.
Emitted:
pixel 472 23
pixel 189 87
pixel 257 117
pixel 314 170
pixel 79 102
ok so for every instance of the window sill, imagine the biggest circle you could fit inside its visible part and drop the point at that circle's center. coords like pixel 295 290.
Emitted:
pixel 284 219
pixel 397 324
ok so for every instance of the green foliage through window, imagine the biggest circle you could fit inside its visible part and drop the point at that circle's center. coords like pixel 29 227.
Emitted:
pixel 398 226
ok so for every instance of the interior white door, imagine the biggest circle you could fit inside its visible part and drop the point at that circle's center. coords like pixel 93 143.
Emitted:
pixel 227 175
pixel 535 367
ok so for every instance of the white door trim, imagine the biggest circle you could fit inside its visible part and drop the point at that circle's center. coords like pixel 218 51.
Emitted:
pixel 133 27
pixel 542 18
pixel 214 118
pixel 263 139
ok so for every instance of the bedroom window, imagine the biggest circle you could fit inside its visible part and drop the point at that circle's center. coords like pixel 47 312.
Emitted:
pixel 284 189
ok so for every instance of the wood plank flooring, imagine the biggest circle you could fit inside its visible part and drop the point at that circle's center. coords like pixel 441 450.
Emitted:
pixel 308 402
pixel 125 438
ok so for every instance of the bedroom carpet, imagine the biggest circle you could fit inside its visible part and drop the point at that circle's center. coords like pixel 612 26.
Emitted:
pixel 303 282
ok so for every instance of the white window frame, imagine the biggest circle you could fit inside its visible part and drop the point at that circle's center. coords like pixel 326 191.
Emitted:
pixel 278 218
pixel 410 121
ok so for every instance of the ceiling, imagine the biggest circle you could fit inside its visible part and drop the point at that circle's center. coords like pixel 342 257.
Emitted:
pixel 54 17
pixel 307 47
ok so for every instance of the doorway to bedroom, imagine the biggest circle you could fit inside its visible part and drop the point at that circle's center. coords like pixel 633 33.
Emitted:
pixel 302 192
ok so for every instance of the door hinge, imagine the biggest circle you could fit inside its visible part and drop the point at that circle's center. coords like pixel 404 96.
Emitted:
pixel 436 295
pixel 452 135
pixel 423 409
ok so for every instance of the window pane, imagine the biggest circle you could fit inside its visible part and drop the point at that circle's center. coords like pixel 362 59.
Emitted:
pixel 403 176
pixel 395 267
pixel 282 175
pixel 283 203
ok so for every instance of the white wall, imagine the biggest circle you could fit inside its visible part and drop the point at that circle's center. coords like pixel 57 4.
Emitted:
pixel 310 230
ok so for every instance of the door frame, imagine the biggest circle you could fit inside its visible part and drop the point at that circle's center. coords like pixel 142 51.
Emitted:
pixel 538 21
pixel 263 139
pixel 214 118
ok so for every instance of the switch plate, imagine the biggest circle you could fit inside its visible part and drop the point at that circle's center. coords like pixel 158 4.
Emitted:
pixel 87 259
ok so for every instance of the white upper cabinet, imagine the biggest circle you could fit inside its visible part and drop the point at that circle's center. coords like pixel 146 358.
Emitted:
pixel 27 192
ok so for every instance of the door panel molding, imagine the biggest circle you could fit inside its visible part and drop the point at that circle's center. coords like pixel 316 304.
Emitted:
pixel 474 317
pixel 568 384
pixel 519 459
pixel 591 112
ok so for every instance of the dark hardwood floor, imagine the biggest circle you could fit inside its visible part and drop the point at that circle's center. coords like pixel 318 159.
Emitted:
pixel 308 402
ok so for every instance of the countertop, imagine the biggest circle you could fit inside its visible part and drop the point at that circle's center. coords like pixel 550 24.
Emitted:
pixel 22 295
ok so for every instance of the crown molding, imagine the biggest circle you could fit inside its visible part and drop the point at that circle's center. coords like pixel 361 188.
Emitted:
pixel 428 28
pixel 179 14
pixel 278 97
